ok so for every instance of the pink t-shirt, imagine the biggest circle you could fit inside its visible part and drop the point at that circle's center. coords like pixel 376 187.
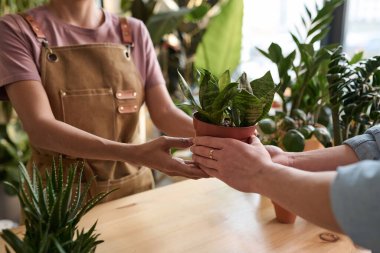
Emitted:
pixel 20 50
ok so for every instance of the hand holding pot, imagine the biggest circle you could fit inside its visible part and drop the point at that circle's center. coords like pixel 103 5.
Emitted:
pixel 236 163
pixel 156 154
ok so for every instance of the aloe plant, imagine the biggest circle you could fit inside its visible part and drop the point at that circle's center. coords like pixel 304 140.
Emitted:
pixel 235 104
pixel 354 94
pixel 52 212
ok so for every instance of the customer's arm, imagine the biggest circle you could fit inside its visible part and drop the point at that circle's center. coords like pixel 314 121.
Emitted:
pixel 355 198
pixel 361 147
pixel 327 159
pixel 249 168
pixel 344 200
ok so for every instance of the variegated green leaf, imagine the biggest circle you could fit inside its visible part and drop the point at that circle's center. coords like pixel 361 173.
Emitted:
pixel 249 106
pixel 225 97
pixel 263 85
pixel 186 90
pixel 208 90
pixel 224 80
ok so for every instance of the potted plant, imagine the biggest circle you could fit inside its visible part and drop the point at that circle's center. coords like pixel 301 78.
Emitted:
pixel 305 114
pixel 226 108
pixel 52 212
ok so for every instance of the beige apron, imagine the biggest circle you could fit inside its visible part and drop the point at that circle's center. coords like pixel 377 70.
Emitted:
pixel 98 89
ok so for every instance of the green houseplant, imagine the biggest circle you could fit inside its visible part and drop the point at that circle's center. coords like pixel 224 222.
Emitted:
pixel 52 212
pixel 303 87
pixel 229 106
pixel 354 86
pixel 184 35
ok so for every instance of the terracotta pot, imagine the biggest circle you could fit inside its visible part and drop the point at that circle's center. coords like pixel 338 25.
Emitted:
pixel 283 215
pixel 207 129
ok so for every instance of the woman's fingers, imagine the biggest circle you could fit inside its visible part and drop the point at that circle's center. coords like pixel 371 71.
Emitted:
pixel 175 142
pixel 209 171
pixel 206 152
pixel 203 161
pixel 187 170
pixel 212 142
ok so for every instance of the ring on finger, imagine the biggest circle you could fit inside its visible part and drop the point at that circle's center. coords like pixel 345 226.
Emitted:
pixel 210 154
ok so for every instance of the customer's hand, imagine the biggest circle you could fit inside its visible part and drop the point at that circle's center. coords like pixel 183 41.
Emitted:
pixel 236 163
pixel 279 156
pixel 156 155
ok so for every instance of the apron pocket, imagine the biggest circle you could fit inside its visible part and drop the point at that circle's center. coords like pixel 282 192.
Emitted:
pixel 92 110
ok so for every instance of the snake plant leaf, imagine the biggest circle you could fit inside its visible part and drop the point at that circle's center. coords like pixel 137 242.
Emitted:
pixel 222 53
pixel 263 85
pixel 187 91
pixel 250 107
pixel 235 116
pixel 208 90
pixel 225 96
pixel 264 88
pixel 244 84
pixel 237 103
pixel 224 80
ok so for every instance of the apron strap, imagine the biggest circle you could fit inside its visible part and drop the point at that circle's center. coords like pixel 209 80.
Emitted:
pixel 35 27
pixel 126 33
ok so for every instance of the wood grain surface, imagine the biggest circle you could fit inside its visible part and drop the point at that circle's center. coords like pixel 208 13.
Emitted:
pixel 203 216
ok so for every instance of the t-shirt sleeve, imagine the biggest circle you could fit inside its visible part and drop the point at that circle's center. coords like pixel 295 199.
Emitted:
pixel 153 73
pixel 355 197
pixel 16 58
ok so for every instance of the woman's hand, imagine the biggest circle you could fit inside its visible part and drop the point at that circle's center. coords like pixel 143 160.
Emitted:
pixel 156 155
pixel 279 156
pixel 236 163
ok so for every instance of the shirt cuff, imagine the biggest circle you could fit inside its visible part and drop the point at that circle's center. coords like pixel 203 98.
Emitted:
pixel 365 147
pixel 355 202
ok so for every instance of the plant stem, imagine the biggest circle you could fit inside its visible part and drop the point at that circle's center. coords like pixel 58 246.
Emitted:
pixel 336 126
pixel 297 103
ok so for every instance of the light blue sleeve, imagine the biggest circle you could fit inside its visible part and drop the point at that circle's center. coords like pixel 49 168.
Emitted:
pixel 355 197
pixel 367 145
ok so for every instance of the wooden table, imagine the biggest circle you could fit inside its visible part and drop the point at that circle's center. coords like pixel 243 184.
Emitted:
pixel 203 216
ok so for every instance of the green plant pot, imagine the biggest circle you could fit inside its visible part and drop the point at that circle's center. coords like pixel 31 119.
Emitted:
pixel 207 129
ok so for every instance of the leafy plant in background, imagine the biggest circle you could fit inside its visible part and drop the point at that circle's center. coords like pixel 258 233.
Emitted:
pixel 354 94
pixel 303 71
pixel 185 37
pixel 303 83
pixel 52 212
pixel 14 6
pixel 14 146
pixel 233 104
